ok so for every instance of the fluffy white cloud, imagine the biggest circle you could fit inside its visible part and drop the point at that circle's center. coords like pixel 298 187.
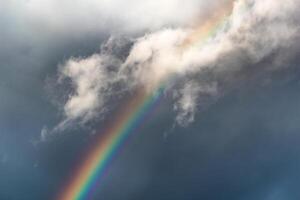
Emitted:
pixel 91 79
pixel 88 78
pixel 253 30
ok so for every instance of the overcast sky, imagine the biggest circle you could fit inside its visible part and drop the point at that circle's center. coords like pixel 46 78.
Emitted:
pixel 227 126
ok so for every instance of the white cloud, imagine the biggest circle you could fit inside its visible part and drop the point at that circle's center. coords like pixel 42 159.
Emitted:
pixel 91 79
pixel 87 77
pixel 44 134
pixel 188 100
pixel 252 32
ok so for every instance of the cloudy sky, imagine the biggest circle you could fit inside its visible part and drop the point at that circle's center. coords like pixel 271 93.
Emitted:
pixel 225 128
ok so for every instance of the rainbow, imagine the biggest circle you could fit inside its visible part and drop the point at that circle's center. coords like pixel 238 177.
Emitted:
pixel 94 166
pixel 85 179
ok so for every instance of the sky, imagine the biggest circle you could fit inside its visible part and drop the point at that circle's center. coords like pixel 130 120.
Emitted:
pixel 228 117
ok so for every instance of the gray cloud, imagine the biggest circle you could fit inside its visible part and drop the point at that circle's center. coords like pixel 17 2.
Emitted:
pixel 53 16
pixel 244 147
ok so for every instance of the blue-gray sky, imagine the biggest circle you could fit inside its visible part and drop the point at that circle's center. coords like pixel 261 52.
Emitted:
pixel 227 127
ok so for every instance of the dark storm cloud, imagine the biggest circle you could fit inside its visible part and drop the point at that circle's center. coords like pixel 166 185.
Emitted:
pixel 243 147
pixel 28 55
